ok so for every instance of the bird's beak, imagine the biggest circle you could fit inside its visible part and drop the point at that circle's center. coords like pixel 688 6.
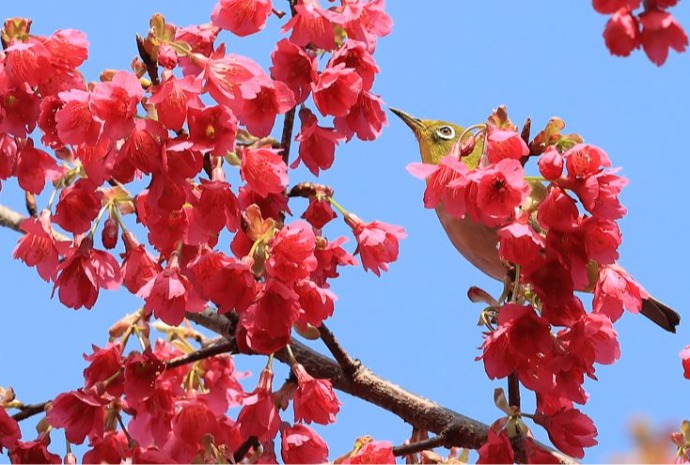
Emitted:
pixel 414 123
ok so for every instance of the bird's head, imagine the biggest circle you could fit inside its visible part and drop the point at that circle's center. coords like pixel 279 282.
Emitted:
pixel 436 138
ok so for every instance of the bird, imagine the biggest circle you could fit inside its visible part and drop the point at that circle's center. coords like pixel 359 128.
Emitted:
pixel 479 243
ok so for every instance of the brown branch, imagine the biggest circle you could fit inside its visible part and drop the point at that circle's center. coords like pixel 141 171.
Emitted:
pixel 349 365
pixel 12 219
pixel 209 351
pixel 286 138
pixel 218 346
pixel 251 442
pixel 425 444
pixel 424 414
pixel 30 410
pixel 513 391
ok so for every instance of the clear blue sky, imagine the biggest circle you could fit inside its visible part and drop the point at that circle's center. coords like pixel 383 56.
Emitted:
pixel 444 60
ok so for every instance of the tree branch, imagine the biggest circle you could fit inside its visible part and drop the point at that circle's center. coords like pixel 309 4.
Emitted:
pixel 424 414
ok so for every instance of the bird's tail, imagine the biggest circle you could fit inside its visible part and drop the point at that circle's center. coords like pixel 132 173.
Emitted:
pixel 661 314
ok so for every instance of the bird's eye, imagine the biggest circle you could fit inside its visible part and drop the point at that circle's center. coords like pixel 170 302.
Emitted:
pixel 445 132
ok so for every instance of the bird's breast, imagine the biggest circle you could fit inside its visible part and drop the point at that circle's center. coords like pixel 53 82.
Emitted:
pixel 476 242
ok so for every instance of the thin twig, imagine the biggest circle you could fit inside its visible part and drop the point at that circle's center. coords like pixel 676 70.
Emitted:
pixel 347 363
pixel 418 411
pixel 251 442
pixel 206 352
pixel 30 410
pixel 514 391
pixel 425 444
pixel 286 139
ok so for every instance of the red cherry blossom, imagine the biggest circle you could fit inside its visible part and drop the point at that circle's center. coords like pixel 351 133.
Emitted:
pixel 591 339
pixel 259 112
pixel 496 449
pixel 81 413
pixel 170 294
pixel 584 160
pixel 212 129
pixel 295 67
pixel 221 383
pixel 192 421
pixel 68 48
pixel 111 448
pixel 354 55
pixel 311 25
pixel 27 62
pixel 317 143
pixel 330 256
pixel 522 344
pixel 231 79
pixel 217 208
pixel 38 247
pixel 370 24
pixel 268 322
pixel 152 421
pixel 301 444
pixel 241 17
pixel 228 282
pixel 500 189
pixel 83 272
pixel 319 212
pixel 140 373
pixel 8 157
pixel 264 171
pixel 34 167
pixel 558 211
pixel 138 265
pixel 622 33
pixel 570 430
pixel 611 6
pixel 446 184
pixel 78 206
pixel 173 97
pixel 660 4
pixel 115 103
pixel 504 144
pixel 259 416
pixel 33 452
pixel 551 164
pixel 314 399
pixel 602 238
pixel 520 244
pixel 20 111
pixel 317 303
pixel 660 32
pixel 616 290
pixel 377 243
pixel 373 452
pixel 103 364
pixel 291 252
pixel 336 90
pixel 76 122
pixel 365 118
pixel 685 360
pixel 9 431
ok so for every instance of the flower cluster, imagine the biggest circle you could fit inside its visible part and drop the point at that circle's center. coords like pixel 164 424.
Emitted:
pixel 654 28
pixel 555 248
pixel 186 117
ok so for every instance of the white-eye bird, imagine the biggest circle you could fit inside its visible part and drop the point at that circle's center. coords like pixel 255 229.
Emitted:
pixel 479 243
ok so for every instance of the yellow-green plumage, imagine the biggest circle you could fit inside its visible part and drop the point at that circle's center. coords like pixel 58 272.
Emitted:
pixel 476 242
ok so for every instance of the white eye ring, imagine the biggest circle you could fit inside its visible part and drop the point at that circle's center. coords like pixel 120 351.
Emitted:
pixel 445 132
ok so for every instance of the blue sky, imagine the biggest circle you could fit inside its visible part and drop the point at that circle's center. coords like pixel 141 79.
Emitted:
pixel 447 60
